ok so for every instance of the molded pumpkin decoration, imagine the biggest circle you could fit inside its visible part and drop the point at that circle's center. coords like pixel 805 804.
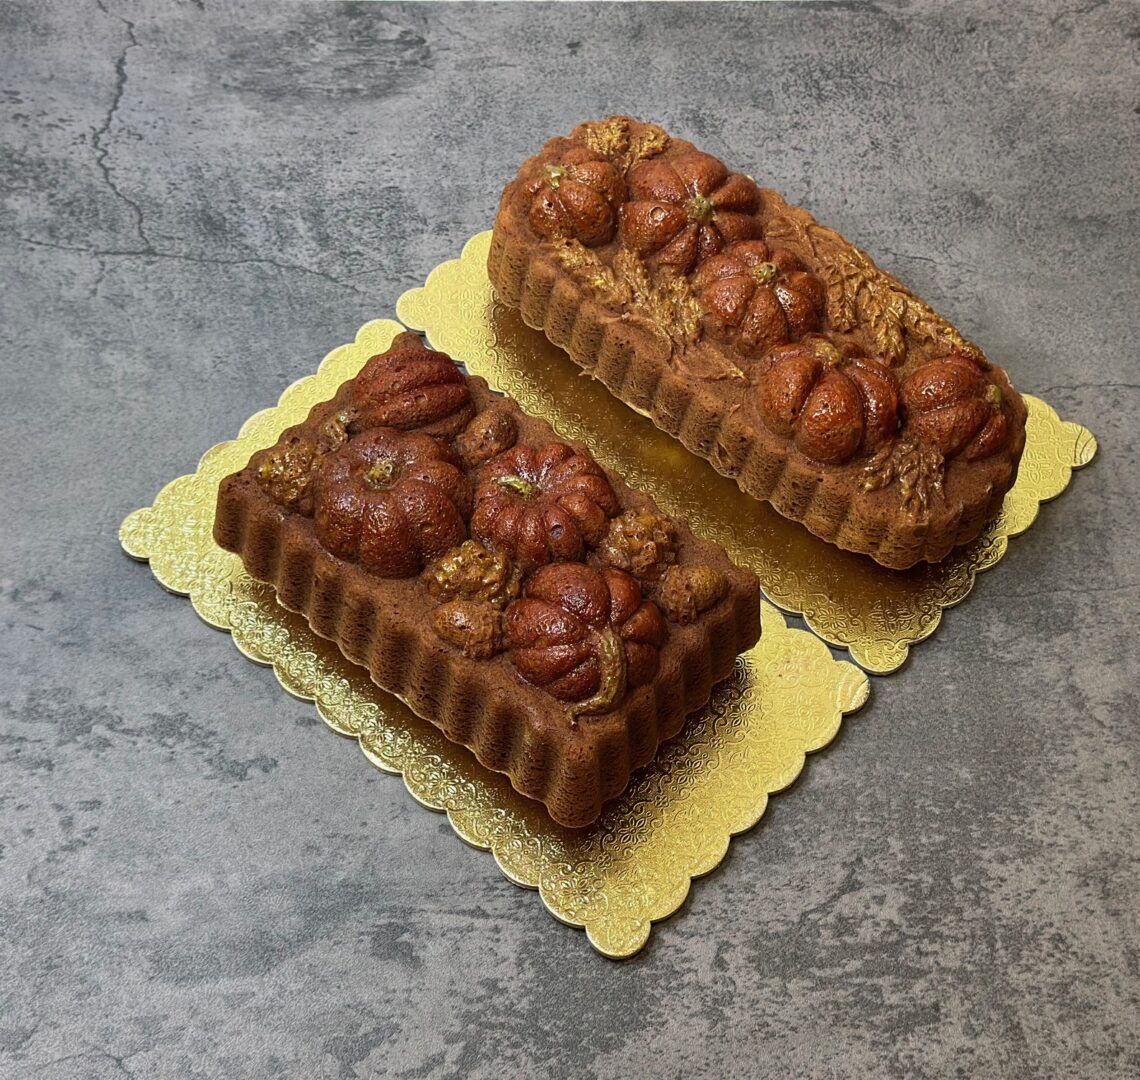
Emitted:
pixel 576 198
pixel 950 406
pixel 757 297
pixel 830 402
pixel 410 387
pixel 684 592
pixel 584 635
pixel 685 209
pixel 542 504
pixel 391 500
pixel 491 432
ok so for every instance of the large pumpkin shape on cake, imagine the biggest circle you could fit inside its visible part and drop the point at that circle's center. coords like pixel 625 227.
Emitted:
pixel 391 500
pixel 830 402
pixel 575 198
pixel 411 387
pixel 542 504
pixel 756 297
pixel 686 208
pixel 584 635
pixel 952 406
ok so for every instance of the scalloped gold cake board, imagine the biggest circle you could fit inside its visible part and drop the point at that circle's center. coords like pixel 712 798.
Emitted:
pixel 786 698
pixel 847 599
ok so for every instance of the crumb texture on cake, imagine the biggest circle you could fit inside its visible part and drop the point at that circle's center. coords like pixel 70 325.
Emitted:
pixel 765 342
pixel 530 604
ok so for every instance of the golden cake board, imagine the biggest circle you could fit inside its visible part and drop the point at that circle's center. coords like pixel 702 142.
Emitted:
pixel 847 599
pixel 786 699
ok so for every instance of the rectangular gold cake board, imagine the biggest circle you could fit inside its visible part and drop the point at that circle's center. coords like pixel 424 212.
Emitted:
pixel 787 698
pixel 848 599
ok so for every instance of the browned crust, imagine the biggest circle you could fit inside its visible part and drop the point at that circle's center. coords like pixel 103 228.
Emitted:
pixel 713 420
pixel 511 727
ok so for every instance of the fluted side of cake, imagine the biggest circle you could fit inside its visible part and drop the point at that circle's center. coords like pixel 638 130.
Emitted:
pixel 570 761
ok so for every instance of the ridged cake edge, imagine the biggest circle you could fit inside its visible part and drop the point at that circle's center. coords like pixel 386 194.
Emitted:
pixel 573 778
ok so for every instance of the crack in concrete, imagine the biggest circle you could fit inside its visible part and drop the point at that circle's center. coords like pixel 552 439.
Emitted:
pixel 1074 13
pixel 100 134
pixel 103 254
pixel 1086 386
pixel 919 258
pixel 93 1051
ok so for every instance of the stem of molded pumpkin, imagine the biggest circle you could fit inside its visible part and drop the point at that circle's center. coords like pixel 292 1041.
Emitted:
pixel 611 688
pixel 518 485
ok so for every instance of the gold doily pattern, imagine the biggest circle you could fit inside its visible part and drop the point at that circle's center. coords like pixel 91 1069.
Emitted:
pixel 847 599
pixel 786 699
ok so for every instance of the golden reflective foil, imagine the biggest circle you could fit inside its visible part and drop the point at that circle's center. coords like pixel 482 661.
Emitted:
pixel 848 599
pixel 786 699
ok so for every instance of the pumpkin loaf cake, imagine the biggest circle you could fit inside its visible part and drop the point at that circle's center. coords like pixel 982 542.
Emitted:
pixel 492 575
pixel 764 341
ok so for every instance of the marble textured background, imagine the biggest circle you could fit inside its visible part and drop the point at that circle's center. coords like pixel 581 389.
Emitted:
pixel 197 880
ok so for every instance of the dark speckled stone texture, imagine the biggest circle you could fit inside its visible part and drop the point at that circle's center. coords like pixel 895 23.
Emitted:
pixel 199 199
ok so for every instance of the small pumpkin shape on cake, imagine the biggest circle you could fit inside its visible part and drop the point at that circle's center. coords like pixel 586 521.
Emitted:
pixel 584 635
pixel 684 593
pixel 687 208
pixel 575 198
pixel 391 501
pixel 756 297
pixel 490 433
pixel 411 387
pixel 952 406
pixel 541 504
pixel 474 627
pixel 830 400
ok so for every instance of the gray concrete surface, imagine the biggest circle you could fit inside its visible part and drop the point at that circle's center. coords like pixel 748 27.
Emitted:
pixel 197 880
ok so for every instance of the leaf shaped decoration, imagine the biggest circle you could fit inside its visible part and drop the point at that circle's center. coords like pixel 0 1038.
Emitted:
pixel 858 292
